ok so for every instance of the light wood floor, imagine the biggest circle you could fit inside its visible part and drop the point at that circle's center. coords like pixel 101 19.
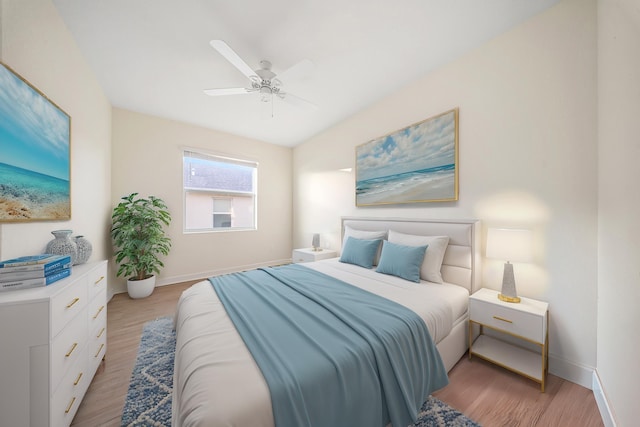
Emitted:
pixel 486 393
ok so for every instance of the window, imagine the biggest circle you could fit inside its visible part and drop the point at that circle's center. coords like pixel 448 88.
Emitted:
pixel 219 193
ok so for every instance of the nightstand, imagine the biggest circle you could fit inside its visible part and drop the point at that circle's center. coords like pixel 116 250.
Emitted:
pixel 517 324
pixel 308 255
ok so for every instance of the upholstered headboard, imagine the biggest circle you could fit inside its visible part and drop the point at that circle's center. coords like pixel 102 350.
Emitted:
pixel 461 265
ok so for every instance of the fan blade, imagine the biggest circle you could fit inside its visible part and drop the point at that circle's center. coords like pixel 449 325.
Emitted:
pixel 297 101
pixel 231 56
pixel 297 71
pixel 228 91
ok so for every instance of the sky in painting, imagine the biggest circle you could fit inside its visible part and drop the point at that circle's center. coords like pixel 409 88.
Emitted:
pixel 34 134
pixel 425 145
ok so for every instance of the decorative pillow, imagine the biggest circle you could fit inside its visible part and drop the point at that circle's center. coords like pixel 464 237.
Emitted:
pixel 366 235
pixel 432 263
pixel 359 252
pixel 402 261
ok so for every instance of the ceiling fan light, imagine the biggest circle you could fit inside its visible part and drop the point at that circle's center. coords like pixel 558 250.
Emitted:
pixel 265 94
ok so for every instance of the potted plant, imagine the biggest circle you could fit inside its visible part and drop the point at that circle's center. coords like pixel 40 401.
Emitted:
pixel 139 239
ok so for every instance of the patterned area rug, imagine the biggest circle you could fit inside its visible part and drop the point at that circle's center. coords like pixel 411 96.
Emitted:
pixel 149 397
pixel 148 400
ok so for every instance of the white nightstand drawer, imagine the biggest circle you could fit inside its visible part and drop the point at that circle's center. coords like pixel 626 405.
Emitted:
pixel 525 325
pixel 308 255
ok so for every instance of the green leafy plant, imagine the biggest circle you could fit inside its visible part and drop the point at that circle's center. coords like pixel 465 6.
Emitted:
pixel 139 237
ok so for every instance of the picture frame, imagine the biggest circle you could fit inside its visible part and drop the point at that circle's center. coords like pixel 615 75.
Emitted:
pixel 416 164
pixel 35 141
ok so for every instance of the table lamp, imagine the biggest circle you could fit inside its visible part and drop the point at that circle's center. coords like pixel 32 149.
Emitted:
pixel 509 245
pixel 315 242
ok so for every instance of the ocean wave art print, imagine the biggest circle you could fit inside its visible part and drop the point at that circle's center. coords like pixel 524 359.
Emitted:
pixel 416 164
pixel 35 153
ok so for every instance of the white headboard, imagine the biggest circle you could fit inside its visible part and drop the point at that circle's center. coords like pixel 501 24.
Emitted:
pixel 461 265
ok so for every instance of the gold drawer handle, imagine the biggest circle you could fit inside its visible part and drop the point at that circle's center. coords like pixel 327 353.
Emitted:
pixel 503 319
pixel 75 300
pixel 77 379
pixel 99 280
pixel 99 311
pixel 100 333
pixel 73 347
pixel 66 411
pixel 99 350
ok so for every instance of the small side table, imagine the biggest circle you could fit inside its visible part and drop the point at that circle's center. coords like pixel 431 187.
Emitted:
pixel 308 255
pixel 527 321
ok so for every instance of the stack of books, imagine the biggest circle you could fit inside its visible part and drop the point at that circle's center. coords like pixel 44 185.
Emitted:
pixel 33 271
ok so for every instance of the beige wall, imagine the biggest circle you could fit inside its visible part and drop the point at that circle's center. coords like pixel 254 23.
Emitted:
pixel 527 103
pixel 37 45
pixel 147 154
pixel 619 205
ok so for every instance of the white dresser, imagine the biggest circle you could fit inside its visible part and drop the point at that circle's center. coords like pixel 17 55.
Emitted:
pixel 52 340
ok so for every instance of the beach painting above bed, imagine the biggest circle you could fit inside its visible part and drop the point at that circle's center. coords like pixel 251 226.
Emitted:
pixel 35 146
pixel 412 165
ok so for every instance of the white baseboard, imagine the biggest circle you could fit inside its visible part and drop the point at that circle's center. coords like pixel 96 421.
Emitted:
pixel 571 371
pixel 601 400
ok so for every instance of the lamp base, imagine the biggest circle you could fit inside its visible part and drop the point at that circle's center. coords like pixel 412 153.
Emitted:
pixel 508 293
pixel 508 299
pixel 316 249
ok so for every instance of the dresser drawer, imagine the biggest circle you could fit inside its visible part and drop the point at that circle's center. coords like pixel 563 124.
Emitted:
pixel 67 397
pixel 522 324
pixel 67 304
pixel 96 349
pixel 97 280
pixel 98 311
pixel 67 347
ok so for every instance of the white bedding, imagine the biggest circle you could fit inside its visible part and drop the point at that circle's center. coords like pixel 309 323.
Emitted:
pixel 217 382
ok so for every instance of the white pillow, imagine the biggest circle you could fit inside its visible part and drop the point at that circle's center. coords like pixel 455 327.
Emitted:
pixel 366 235
pixel 437 245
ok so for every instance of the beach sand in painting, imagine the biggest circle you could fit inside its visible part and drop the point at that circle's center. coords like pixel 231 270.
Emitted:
pixel 425 188
pixel 27 195
pixel 14 210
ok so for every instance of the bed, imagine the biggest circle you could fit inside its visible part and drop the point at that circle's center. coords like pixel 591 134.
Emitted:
pixel 217 381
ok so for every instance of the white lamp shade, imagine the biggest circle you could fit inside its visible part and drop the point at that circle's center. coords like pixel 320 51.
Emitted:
pixel 509 244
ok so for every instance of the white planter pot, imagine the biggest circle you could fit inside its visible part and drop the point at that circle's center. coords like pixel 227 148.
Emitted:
pixel 141 288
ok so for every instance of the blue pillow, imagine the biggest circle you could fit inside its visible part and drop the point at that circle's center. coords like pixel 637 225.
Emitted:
pixel 401 261
pixel 359 252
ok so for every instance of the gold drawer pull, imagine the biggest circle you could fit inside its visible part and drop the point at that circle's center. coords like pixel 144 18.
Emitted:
pixel 73 347
pixel 75 300
pixel 99 311
pixel 77 379
pixel 99 280
pixel 100 333
pixel 66 411
pixel 99 350
pixel 503 319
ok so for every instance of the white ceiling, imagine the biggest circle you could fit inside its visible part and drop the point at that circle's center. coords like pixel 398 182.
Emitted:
pixel 154 57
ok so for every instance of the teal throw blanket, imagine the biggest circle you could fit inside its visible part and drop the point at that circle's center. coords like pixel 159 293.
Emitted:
pixel 332 354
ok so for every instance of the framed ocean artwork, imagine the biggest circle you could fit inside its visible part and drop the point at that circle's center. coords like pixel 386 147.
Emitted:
pixel 35 139
pixel 412 165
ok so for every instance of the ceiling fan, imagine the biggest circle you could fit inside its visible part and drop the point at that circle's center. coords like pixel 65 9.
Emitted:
pixel 262 81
